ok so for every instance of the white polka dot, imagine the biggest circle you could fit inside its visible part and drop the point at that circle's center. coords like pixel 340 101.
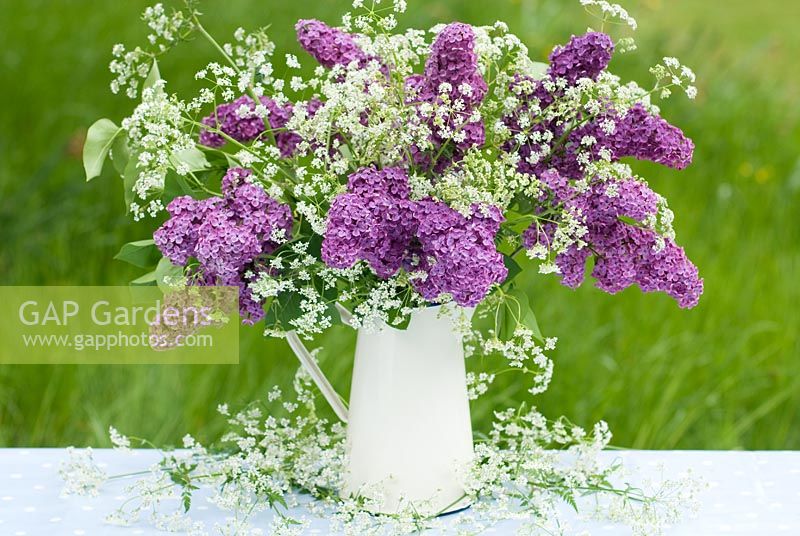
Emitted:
pixel 784 527
pixel 55 519
pixel 769 484
pixel 776 505
pixel 24 452
pixel 47 465
pixel 751 515
pixel 7 498
pixel 20 533
pixel 707 463
pixel 78 532
pixel 138 531
pixel 15 476
pixel 87 508
pixel 746 493
pixel 29 509
pixel 102 464
pixel 762 462
pixel 38 487
pixel 202 507
pixel 725 528
pixel 794 471
pixel 120 498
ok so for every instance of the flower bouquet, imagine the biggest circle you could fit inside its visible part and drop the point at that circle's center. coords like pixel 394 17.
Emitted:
pixel 400 186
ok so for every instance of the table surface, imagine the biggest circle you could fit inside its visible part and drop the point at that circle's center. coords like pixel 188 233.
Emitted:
pixel 753 493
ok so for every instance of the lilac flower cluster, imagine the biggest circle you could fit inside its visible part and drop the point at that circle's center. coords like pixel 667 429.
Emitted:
pixel 585 56
pixel 375 221
pixel 226 235
pixel 458 254
pixel 248 126
pixel 625 254
pixel 635 132
pixel 452 61
pixel 329 46
pixel 647 137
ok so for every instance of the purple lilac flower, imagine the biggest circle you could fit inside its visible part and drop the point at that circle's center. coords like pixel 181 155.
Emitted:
pixel 177 238
pixel 250 127
pixel 372 222
pixel 585 56
pixel 625 254
pixel 329 46
pixel 457 253
pixel 453 61
pixel 648 137
pixel 637 132
pixel 226 234
pixel 376 222
pixel 226 119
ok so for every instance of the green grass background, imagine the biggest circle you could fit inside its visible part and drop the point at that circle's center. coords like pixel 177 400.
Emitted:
pixel 725 375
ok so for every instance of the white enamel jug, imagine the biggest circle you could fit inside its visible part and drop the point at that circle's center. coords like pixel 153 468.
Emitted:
pixel 409 435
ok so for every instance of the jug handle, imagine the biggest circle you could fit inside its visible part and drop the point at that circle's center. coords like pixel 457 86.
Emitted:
pixel 309 363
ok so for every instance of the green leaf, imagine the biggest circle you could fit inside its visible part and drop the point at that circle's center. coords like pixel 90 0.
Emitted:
pixel 529 320
pixel 193 158
pixel 99 140
pixel 152 77
pixel 514 269
pixel 129 177
pixel 519 307
pixel 284 308
pixel 186 499
pixel 141 253
pixel 538 70
pixel 147 280
pixel 174 186
pixel 120 154
pixel 165 269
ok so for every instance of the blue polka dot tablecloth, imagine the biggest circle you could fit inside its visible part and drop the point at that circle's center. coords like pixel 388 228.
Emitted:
pixel 747 493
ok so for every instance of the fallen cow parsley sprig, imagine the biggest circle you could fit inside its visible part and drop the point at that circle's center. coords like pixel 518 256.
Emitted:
pixel 279 452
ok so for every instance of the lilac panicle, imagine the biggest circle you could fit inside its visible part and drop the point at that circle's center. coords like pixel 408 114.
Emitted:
pixel 458 254
pixel 329 46
pixel 453 60
pixel 226 119
pixel 249 127
pixel 645 136
pixel 372 222
pixel 625 254
pixel 376 222
pixel 226 235
pixel 585 56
